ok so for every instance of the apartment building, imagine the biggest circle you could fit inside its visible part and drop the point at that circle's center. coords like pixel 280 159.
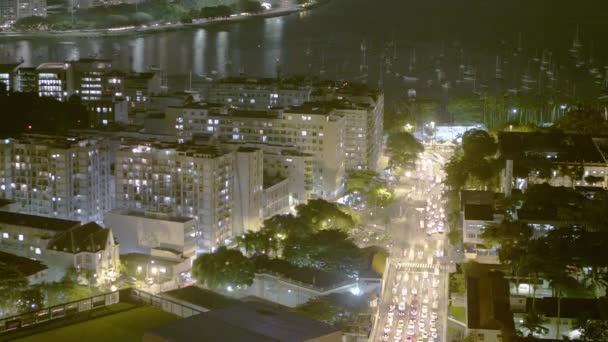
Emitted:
pixel 183 180
pixel 89 77
pixel 13 10
pixel 248 190
pixel 57 176
pixel 55 80
pixel 319 133
pixel 258 93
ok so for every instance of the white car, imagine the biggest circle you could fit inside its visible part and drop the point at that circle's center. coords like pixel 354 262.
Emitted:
pixel 414 291
pixel 435 304
pixel 402 306
pixel 406 277
pixel 404 291
pixel 433 315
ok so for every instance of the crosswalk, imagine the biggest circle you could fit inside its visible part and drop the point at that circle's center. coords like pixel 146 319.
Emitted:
pixel 421 265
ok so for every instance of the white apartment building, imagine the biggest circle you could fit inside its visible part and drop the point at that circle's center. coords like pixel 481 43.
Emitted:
pixel 8 75
pixel 57 176
pixel 183 180
pixel 13 10
pixel 55 80
pixel 248 190
pixel 319 133
pixel 258 93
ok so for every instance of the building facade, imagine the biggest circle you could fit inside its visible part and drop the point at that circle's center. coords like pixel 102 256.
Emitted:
pixel 13 10
pixel 55 80
pixel 182 180
pixel 57 176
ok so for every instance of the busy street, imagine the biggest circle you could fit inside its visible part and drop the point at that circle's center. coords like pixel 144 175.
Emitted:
pixel 415 290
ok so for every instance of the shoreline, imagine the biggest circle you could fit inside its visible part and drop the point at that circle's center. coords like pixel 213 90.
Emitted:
pixel 155 28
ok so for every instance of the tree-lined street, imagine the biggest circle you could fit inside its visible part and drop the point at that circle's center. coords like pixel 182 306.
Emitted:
pixel 414 299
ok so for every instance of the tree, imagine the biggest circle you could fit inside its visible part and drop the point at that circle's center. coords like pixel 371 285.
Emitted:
pixel 319 214
pixel 478 144
pixel 30 299
pixel 583 121
pixel 11 284
pixel 533 322
pixel 32 23
pixel 326 249
pixel 403 148
pixel 250 6
pixel 224 267
pixel 592 330
pixel 320 309
pixel 360 181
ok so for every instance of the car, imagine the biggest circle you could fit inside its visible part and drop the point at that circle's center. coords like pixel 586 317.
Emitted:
pixel 425 300
pixel 394 290
pixel 414 312
pixel 435 304
pixel 406 277
pixel 404 291
pixel 385 337
pixel 433 315
pixel 409 339
pixel 414 291
pixel 399 277
pixel 391 308
pixel 402 306
pixel 387 328
pixel 424 314
pixel 424 334
pixel 411 324
pixel 434 334
pixel 433 329
pixel 410 332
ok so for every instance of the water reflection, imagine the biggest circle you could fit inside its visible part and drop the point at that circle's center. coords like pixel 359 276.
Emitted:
pixel 137 56
pixel 221 48
pixel 200 41
pixel 273 42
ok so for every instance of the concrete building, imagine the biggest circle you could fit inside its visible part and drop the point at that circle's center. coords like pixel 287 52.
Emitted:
pixel 86 247
pixel 89 77
pixel 276 197
pixel 34 271
pixel 13 10
pixel 57 176
pixel 477 212
pixel 55 80
pixel 182 180
pixel 257 93
pixel 108 110
pixel 8 76
pixel 570 312
pixel 320 134
pixel 60 244
pixel 252 322
pixel 488 313
pixel 142 232
pixel 558 153
pixel 27 80
pixel 248 190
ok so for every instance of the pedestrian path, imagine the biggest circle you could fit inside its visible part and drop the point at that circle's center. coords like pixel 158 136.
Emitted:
pixel 421 265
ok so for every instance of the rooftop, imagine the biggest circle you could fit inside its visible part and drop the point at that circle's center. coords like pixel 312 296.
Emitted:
pixel 488 303
pixel 305 275
pixel 89 237
pixel 39 222
pixel 478 212
pixel 151 216
pixel 53 66
pixel 555 145
pixel 570 307
pixel 24 266
pixel 476 197
pixel 245 322
pixel 191 150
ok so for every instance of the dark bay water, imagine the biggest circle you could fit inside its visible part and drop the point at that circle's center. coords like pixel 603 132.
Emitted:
pixel 444 35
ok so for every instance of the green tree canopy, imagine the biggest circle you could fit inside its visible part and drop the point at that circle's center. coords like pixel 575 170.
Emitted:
pixel 403 148
pixel 584 122
pixel 319 214
pixel 478 144
pixel 224 267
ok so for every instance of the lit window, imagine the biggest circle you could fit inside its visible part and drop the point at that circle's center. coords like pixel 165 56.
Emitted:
pixel 20 237
pixel 5 235
pixel 38 251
